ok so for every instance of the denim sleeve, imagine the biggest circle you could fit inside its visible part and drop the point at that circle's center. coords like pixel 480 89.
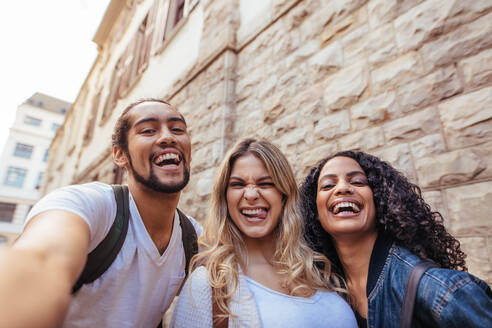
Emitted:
pixel 468 303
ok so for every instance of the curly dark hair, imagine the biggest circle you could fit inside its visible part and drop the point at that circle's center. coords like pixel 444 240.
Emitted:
pixel 120 132
pixel 402 215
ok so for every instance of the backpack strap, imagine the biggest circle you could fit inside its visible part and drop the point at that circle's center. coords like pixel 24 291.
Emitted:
pixel 101 258
pixel 411 291
pixel 189 238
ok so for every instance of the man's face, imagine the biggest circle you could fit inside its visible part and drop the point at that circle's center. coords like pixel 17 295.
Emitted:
pixel 159 147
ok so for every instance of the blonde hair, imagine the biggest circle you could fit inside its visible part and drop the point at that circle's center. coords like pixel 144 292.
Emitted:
pixel 223 247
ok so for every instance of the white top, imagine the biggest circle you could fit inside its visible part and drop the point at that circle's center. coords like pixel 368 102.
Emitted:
pixel 255 306
pixel 139 286
pixel 323 309
pixel 194 306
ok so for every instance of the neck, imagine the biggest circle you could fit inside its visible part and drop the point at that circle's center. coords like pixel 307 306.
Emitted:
pixel 259 250
pixel 156 210
pixel 355 256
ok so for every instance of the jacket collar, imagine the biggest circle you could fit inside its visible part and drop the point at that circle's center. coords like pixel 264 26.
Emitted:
pixel 379 254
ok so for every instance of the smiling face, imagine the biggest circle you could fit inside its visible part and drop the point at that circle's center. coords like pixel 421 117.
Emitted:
pixel 159 148
pixel 344 199
pixel 253 202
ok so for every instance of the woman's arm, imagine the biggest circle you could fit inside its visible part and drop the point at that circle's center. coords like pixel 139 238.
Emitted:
pixel 467 304
pixel 194 306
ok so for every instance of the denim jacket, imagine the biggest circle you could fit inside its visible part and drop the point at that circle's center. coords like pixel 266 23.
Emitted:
pixel 445 298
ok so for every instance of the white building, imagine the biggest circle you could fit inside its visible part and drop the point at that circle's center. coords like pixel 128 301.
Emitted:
pixel 23 160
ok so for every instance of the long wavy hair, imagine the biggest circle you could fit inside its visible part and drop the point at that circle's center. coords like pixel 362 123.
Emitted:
pixel 224 250
pixel 401 214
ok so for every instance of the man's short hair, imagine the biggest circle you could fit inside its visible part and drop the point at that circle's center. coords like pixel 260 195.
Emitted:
pixel 120 132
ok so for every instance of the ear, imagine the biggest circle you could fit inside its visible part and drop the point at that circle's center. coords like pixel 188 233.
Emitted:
pixel 119 157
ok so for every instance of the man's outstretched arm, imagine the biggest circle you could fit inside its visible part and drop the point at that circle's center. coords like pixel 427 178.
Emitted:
pixel 38 272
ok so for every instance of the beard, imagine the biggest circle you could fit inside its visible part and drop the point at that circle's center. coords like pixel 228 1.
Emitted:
pixel 153 183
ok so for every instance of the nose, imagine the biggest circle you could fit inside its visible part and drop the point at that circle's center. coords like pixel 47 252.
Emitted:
pixel 166 137
pixel 343 187
pixel 251 193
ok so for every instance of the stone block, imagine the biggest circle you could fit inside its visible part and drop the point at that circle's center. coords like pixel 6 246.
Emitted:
pixel 477 70
pixel 382 11
pixel 313 156
pixel 267 86
pixel 477 259
pixel 400 158
pixel 412 126
pixel 333 125
pixel 467 119
pixel 449 168
pixel 292 138
pixel 346 87
pixel 216 96
pixel 245 84
pixel 429 89
pixel 302 54
pixel 396 73
pixel 374 110
pixel 326 60
pixel 273 106
pixel 427 145
pixel 466 40
pixel 432 18
pixel 354 44
pixel 205 183
pixel 342 20
pixel 469 209
pixel 435 200
pixel 406 5
pixel 364 140
pixel 381 45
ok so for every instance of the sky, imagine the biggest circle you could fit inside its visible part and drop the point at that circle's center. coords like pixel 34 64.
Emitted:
pixel 46 47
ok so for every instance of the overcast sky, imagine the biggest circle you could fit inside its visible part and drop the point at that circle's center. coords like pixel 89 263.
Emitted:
pixel 46 47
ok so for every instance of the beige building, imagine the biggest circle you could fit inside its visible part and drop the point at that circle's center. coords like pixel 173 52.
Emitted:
pixel 407 80
pixel 23 160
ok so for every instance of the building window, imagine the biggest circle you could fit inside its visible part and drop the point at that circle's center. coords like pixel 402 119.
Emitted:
pixel 46 153
pixel 38 182
pixel 32 121
pixel 22 150
pixel 175 13
pixel 55 126
pixel 15 177
pixel 3 241
pixel 7 212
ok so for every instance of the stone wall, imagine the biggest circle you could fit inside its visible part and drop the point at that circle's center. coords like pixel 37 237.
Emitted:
pixel 408 81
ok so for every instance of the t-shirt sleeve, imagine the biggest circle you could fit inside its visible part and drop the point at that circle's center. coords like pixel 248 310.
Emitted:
pixel 93 202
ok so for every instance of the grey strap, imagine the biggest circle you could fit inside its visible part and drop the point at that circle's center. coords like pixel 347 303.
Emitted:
pixel 411 292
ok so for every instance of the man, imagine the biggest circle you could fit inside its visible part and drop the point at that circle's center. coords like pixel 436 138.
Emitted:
pixel 151 141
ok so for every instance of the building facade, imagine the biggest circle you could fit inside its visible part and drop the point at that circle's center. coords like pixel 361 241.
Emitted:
pixel 407 80
pixel 24 159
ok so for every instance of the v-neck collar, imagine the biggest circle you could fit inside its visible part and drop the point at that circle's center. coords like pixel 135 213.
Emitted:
pixel 143 239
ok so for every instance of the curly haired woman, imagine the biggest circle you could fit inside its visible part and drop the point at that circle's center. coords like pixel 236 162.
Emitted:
pixel 255 269
pixel 374 226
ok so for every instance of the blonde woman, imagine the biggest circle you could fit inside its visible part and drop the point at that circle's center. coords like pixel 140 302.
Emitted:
pixel 255 269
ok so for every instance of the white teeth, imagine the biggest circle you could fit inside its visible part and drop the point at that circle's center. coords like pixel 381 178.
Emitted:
pixel 166 156
pixel 252 212
pixel 337 207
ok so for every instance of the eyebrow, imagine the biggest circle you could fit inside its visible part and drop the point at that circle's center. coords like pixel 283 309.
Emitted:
pixel 153 119
pixel 267 177
pixel 350 174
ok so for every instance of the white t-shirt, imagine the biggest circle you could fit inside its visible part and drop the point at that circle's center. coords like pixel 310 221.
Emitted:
pixel 140 285
pixel 323 309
